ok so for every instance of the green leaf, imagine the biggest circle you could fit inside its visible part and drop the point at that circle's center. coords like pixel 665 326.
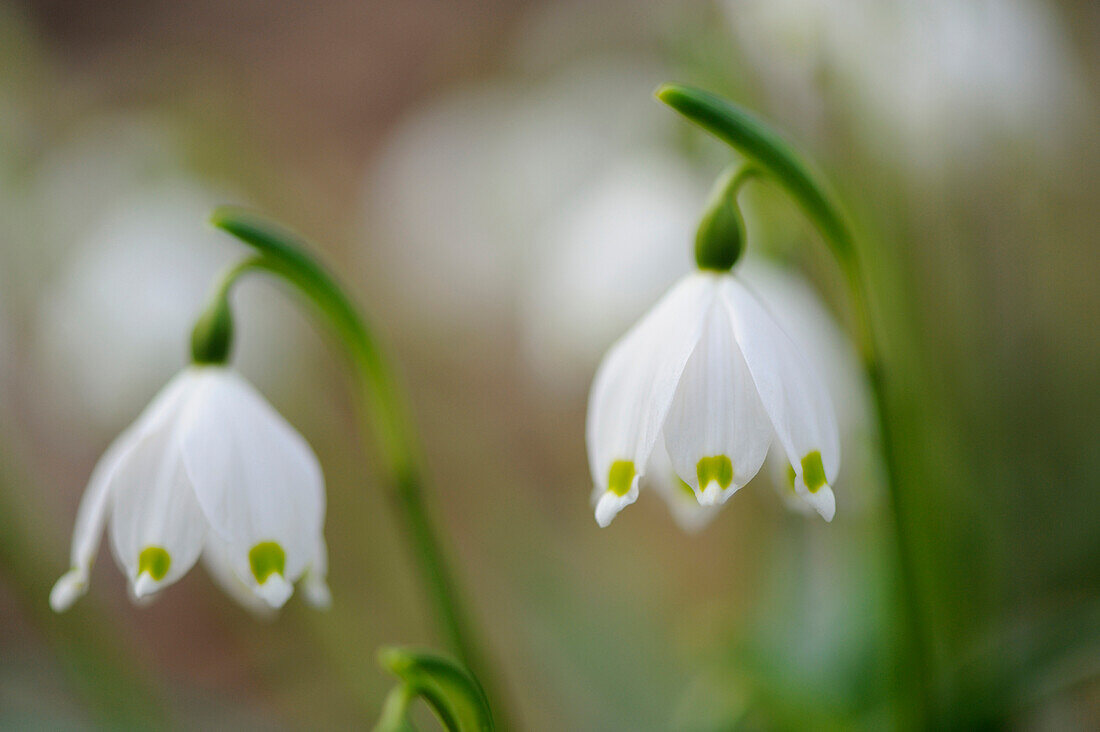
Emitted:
pixel 449 689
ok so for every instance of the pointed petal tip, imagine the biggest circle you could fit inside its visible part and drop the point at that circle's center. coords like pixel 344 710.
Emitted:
pixel 275 590
pixel 144 586
pixel 823 501
pixel 827 509
pixel 317 593
pixel 610 504
pixel 711 495
pixel 69 588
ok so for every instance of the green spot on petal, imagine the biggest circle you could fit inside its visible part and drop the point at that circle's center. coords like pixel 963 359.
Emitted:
pixel 266 558
pixel 716 469
pixel 155 561
pixel 620 477
pixel 686 489
pixel 813 472
pixel 790 477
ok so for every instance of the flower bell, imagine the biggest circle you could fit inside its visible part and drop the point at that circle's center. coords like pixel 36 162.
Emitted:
pixel 208 470
pixel 709 377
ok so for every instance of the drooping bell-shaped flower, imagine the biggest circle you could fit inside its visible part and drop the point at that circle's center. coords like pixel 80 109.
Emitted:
pixel 209 469
pixel 710 377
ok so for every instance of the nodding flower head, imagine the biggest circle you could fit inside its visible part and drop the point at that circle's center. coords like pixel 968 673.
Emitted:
pixel 708 380
pixel 209 470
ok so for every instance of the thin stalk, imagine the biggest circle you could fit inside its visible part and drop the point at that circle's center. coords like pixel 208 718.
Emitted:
pixel 286 256
pixel 776 157
pixel 395 710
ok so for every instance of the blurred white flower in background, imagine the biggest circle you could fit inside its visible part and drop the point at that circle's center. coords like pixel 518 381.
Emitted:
pixel 122 274
pixel 928 82
pixel 106 157
pixel 460 191
pixel 613 249
pixel 115 321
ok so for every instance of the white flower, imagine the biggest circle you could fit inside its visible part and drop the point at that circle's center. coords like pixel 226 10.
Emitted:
pixel 456 195
pixel 210 469
pixel 930 83
pixel 709 374
pixel 634 219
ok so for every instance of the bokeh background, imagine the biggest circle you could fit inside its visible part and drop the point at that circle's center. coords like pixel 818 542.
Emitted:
pixel 498 187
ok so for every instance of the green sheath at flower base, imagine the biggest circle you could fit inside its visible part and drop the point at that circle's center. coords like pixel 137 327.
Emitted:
pixel 212 338
pixel 720 238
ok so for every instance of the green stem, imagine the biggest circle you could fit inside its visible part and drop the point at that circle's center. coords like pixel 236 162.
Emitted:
pixel 395 710
pixel 778 159
pixel 286 256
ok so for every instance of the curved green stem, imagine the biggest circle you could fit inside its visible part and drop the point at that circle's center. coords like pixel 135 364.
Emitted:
pixel 451 691
pixel 285 255
pixel 777 159
pixel 395 710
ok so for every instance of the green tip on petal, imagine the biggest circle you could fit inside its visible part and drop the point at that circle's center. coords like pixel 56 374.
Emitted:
pixel 266 558
pixel 813 471
pixel 620 477
pixel 717 469
pixel 154 561
pixel 791 475
pixel 686 489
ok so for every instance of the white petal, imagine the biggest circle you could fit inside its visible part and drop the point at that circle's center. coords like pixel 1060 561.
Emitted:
pixel 634 386
pixel 610 503
pixel 782 477
pixel 791 391
pixel 275 590
pixel 315 581
pixel 91 516
pixel 255 478
pixel 157 529
pixel 716 416
pixel 96 501
pixel 689 514
pixel 216 557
